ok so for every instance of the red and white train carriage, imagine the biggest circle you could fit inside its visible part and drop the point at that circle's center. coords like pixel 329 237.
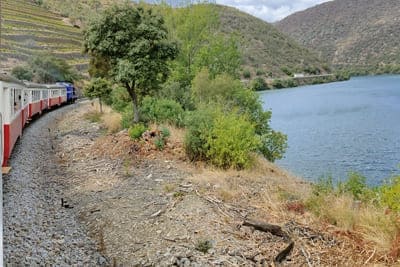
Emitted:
pixel 19 102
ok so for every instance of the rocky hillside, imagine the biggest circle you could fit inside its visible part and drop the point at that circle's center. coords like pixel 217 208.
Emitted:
pixel 350 33
pixel 266 48
pixel 28 29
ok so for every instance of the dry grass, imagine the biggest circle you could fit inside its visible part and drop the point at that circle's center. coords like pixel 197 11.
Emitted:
pixel 376 230
pixel 110 119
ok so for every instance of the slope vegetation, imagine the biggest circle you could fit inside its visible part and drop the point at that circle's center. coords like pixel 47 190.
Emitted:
pixel 350 33
pixel 28 29
pixel 265 47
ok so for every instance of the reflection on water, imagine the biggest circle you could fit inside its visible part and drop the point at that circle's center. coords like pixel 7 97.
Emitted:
pixel 340 127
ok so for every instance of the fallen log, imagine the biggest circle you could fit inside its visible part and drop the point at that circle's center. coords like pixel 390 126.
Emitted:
pixel 266 227
pixel 275 230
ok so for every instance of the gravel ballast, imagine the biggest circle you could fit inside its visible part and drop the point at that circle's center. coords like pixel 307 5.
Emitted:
pixel 37 229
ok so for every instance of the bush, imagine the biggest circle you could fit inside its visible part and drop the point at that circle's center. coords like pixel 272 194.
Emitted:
pixel 259 84
pixel 22 73
pixel 127 118
pixel 165 132
pixel 260 72
pixel 231 142
pixel 159 143
pixel 136 131
pixel 198 126
pixel 223 140
pixel 273 145
pixel 162 111
pixel 390 194
pixel 246 74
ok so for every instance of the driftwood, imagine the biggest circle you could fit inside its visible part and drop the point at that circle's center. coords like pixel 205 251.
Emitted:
pixel 275 230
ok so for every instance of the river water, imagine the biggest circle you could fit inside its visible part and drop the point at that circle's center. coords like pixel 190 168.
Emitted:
pixel 340 127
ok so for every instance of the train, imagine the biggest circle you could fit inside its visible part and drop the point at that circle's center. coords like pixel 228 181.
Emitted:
pixel 21 101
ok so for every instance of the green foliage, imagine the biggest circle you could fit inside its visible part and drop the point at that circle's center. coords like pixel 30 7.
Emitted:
pixel 46 68
pixel 135 43
pixel 136 131
pixel 159 142
pixel 177 92
pixel 231 142
pixel 127 117
pixel 220 56
pixel 246 74
pixel 287 71
pixel 273 145
pixel 162 111
pixel 198 127
pixel 203 246
pixel 98 88
pixel 355 185
pixel 120 99
pixel 260 72
pixel 165 132
pixel 230 94
pixel 194 26
pixel 390 194
pixel 259 84
pixel 22 73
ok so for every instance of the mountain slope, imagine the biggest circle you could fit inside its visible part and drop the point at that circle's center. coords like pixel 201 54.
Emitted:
pixel 349 33
pixel 28 29
pixel 265 47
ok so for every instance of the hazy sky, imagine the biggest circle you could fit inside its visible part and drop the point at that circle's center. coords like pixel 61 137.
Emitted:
pixel 271 10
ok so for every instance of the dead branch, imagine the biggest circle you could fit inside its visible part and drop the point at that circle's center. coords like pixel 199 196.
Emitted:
pixel 284 253
pixel 266 227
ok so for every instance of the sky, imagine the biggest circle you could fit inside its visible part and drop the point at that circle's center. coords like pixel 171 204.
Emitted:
pixel 271 10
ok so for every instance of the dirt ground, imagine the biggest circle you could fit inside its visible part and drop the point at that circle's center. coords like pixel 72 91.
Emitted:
pixel 146 207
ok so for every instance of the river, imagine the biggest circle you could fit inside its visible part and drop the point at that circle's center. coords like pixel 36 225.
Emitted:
pixel 340 127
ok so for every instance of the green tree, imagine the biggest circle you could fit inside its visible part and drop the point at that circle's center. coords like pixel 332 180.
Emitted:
pixel 46 68
pixel 220 55
pixel 135 43
pixel 194 27
pixel 22 73
pixel 98 88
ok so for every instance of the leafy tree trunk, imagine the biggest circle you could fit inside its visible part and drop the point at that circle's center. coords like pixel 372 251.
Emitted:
pixel 134 97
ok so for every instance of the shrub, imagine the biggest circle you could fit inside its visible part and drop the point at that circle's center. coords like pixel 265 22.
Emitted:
pixel 260 72
pixel 136 131
pixel 159 142
pixel 127 118
pixel 355 185
pixel 22 73
pixel 162 111
pixel 246 74
pixel 259 84
pixel 231 142
pixel 198 125
pixel 165 132
pixel 287 71
pixel 390 194
pixel 273 145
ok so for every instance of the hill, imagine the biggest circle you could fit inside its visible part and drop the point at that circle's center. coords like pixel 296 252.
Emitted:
pixel 265 47
pixel 28 29
pixel 358 34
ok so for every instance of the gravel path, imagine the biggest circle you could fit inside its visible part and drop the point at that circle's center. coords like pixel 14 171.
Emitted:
pixel 37 230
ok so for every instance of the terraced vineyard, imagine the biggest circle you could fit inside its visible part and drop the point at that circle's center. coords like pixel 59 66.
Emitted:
pixel 28 29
